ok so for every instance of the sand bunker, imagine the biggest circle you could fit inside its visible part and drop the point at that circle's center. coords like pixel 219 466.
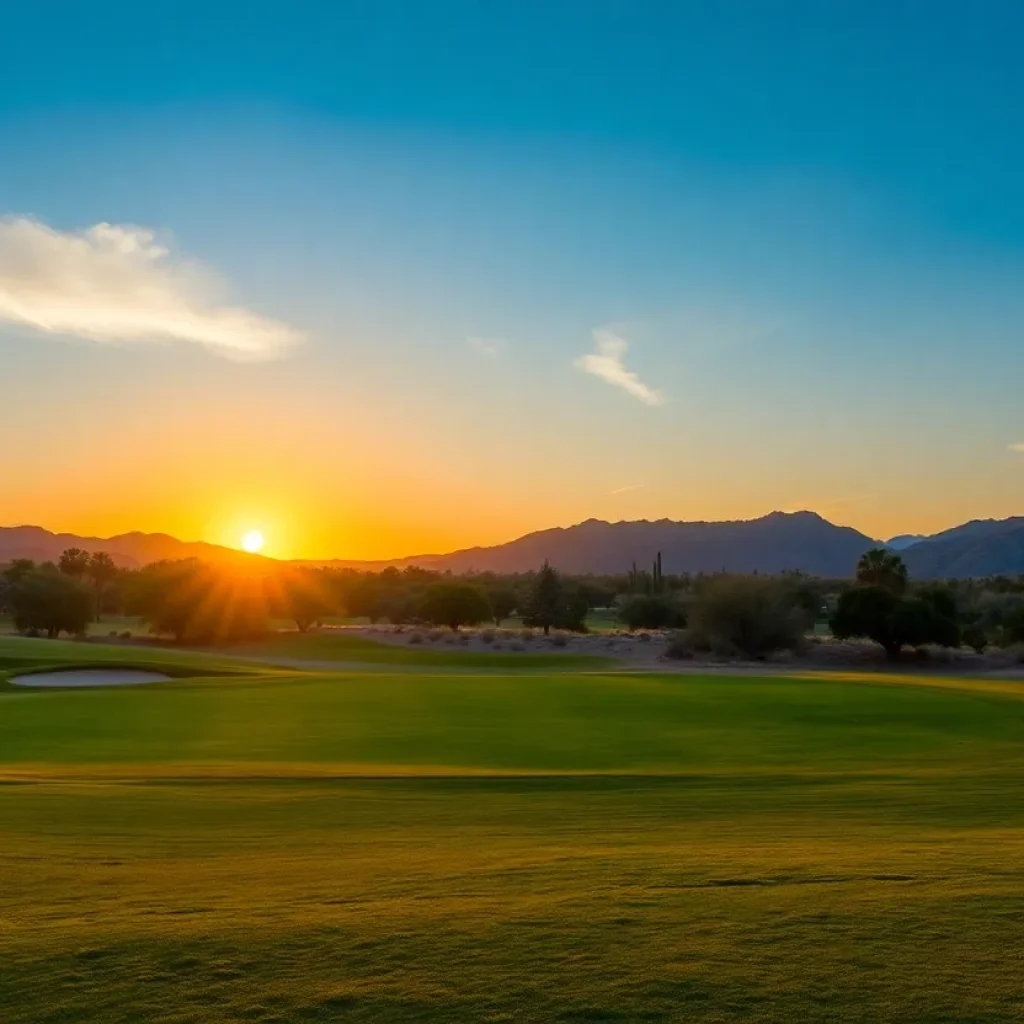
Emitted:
pixel 92 677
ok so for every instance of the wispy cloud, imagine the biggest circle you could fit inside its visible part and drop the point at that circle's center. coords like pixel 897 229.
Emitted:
pixel 1017 447
pixel 490 347
pixel 625 490
pixel 114 283
pixel 607 364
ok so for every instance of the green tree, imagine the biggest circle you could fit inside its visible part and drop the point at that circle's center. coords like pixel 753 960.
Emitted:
pixel 504 602
pixel 944 628
pixel 73 562
pixel 454 604
pixel 50 603
pixel 199 603
pixel 307 597
pixel 165 595
pixel 1001 616
pixel 880 567
pixel 9 575
pixel 17 569
pixel 894 622
pixel 102 571
pixel 545 602
pixel 574 610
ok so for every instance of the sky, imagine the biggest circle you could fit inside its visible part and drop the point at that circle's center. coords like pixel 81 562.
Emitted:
pixel 381 278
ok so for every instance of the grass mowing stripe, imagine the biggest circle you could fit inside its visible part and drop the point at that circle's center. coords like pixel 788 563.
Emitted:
pixel 561 846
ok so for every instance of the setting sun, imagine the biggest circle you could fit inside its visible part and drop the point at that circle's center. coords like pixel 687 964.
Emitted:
pixel 252 541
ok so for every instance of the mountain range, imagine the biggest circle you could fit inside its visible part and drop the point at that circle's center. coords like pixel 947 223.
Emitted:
pixel 129 550
pixel 982 547
pixel 774 543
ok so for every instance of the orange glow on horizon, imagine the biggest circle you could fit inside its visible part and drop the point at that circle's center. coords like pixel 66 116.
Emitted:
pixel 252 542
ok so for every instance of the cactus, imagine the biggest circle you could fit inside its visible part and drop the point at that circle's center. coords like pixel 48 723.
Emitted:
pixel 657 577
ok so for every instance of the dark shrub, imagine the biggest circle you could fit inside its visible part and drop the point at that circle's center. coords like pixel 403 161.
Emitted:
pixel 750 616
pixel 651 611
pixel 975 637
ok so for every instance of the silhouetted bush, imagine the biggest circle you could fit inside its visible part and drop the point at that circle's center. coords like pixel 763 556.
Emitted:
pixel 975 637
pixel 751 616
pixel 651 611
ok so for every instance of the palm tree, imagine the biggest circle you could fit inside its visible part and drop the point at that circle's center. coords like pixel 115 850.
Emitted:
pixel 880 567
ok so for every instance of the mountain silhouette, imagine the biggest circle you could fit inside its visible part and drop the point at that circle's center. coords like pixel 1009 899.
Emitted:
pixel 982 547
pixel 778 542
pixel 774 543
pixel 128 550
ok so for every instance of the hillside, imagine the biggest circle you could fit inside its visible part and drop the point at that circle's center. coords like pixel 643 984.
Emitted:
pixel 980 548
pixel 129 550
pixel 774 543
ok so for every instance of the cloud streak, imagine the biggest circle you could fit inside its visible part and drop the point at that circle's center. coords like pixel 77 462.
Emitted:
pixel 1018 447
pixel 607 364
pixel 490 347
pixel 115 284
pixel 627 489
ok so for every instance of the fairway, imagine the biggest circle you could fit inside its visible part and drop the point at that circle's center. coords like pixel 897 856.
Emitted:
pixel 257 844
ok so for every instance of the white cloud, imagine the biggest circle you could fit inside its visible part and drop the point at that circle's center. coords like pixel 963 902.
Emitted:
pixel 607 364
pixel 114 283
pixel 627 489
pixel 1019 447
pixel 486 346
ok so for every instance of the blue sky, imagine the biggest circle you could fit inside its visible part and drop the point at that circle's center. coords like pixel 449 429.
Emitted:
pixel 801 221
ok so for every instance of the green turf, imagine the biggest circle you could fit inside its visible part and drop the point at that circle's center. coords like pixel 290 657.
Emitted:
pixel 568 847
pixel 20 655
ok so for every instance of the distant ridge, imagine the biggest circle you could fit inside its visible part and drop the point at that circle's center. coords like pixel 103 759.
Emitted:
pixel 129 550
pixel 905 540
pixel 982 547
pixel 780 541
pixel 800 541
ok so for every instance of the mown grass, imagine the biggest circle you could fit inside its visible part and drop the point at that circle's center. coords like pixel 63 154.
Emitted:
pixel 537 847
pixel 23 656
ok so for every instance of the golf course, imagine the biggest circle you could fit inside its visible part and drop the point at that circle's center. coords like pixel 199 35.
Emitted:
pixel 520 840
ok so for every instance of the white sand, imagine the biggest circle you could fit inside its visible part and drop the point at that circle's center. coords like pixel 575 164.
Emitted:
pixel 91 677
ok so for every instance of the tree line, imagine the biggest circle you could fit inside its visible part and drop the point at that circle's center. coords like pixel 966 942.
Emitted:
pixel 753 615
